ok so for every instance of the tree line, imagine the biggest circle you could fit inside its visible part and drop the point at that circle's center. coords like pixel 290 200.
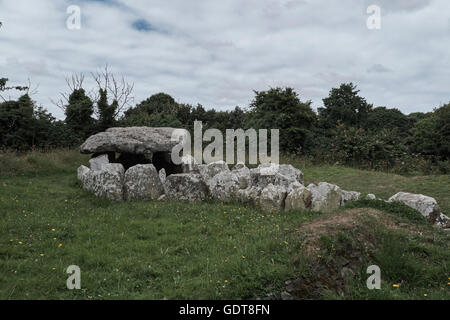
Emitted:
pixel 346 130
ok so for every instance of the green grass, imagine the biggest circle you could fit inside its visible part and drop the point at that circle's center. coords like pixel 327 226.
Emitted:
pixel 157 250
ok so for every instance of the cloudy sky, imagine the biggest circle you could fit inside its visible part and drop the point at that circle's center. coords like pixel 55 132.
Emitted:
pixel 217 52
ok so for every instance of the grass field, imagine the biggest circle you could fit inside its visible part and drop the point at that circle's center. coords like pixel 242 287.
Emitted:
pixel 160 250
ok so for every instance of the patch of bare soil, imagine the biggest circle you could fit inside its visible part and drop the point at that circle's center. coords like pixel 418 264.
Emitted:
pixel 331 272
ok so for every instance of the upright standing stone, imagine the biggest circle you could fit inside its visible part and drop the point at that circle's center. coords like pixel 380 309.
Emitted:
pixel 326 197
pixel 108 182
pixel 300 198
pixel 142 182
pixel 186 187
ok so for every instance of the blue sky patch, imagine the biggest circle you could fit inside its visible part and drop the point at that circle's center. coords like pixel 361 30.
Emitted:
pixel 143 25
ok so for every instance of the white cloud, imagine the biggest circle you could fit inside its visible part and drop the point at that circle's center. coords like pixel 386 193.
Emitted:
pixel 216 52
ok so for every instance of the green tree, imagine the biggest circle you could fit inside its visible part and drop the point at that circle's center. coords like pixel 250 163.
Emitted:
pixel 382 118
pixel 106 111
pixel 79 113
pixel 281 108
pixel 345 105
pixel 432 134
pixel 157 103
pixel 16 123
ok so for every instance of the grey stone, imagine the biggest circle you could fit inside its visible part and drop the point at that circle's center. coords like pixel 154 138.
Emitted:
pixel 326 197
pixel 142 182
pixel 287 170
pixel 259 178
pixel 243 175
pixel 108 182
pixel 162 175
pixel 133 140
pixel 349 196
pixel 427 206
pixel 188 164
pixel 239 165
pixel 249 196
pixel 272 198
pixel 371 196
pixel 223 186
pixel 299 198
pixel 208 171
pixel 186 187
pixel 82 173
pixel 98 162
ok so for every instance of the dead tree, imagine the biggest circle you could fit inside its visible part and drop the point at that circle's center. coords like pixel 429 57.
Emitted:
pixel 118 90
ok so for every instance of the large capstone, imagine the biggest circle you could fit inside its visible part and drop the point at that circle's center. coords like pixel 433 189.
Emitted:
pixel 134 140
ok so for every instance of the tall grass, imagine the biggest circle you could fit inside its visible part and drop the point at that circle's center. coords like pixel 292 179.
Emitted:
pixel 40 162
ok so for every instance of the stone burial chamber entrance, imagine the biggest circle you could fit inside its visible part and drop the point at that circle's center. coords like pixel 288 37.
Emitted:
pixel 133 146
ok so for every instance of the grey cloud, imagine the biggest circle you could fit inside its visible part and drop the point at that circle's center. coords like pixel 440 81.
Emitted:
pixel 400 5
pixel 216 52
pixel 378 68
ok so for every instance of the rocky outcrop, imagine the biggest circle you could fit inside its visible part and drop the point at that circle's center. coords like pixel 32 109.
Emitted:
pixel 427 206
pixel 142 182
pixel 132 140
